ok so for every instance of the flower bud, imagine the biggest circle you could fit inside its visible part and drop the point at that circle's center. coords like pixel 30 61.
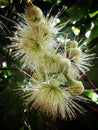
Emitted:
pixel 34 15
pixel 76 88
pixel 65 64
pixel 54 83
pixel 74 54
pixel 71 44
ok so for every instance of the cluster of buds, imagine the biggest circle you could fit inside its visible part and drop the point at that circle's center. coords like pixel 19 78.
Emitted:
pixel 54 87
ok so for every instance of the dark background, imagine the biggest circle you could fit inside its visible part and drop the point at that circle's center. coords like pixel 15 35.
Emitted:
pixel 12 110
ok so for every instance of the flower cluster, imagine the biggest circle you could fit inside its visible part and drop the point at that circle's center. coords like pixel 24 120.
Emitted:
pixel 54 87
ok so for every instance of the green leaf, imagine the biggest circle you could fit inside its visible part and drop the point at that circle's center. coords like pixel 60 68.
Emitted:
pixel 94 33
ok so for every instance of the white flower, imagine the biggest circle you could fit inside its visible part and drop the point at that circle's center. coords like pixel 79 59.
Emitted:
pixel 32 43
pixel 35 38
pixel 54 101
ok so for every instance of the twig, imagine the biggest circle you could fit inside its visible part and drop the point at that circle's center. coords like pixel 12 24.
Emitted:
pixel 85 78
pixel 29 72
pixel 15 69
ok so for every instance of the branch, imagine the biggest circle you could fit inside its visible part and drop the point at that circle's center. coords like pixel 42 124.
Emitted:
pixel 29 72
pixel 14 69
pixel 85 78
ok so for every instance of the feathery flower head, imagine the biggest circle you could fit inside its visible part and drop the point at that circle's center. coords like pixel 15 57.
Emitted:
pixel 51 99
pixel 33 42
pixel 35 38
